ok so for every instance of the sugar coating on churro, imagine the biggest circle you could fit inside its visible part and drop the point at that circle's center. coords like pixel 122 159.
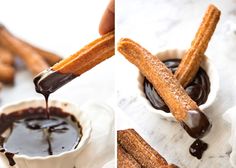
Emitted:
pixel 141 151
pixel 125 160
pixel 192 59
pixel 89 56
pixel 160 76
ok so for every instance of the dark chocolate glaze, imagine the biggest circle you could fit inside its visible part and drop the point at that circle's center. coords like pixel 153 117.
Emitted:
pixel 197 148
pixel 30 133
pixel 49 81
pixel 198 89
pixel 197 124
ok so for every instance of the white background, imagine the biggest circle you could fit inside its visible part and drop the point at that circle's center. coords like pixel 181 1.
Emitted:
pixel 64 26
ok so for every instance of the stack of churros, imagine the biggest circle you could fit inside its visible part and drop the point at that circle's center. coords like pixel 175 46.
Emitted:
pixel 134 152
pixel 35 59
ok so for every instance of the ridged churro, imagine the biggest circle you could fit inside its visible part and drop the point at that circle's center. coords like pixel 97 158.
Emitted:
pixel 141 151
pixel 192 59
pixel 32 59
pixel 184 109
pixel 88 57
pixel 49 57
pixel 125 160
pixel 66 70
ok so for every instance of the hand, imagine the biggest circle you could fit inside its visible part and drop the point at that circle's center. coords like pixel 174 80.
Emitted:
pixel 107 22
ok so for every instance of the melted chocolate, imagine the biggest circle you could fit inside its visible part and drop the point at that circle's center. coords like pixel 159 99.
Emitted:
pixel 49 81
pixel 197 148
pixel 30 133
pixel 198 89
pixel 197 124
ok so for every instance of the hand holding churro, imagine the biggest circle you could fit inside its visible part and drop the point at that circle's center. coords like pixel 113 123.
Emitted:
pixel 89 56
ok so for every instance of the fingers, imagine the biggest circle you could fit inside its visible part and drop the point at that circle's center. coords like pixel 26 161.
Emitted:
pixel 108 19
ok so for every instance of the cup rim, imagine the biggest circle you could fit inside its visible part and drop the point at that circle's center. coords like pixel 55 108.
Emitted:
pixel 206 64
pixel 81 117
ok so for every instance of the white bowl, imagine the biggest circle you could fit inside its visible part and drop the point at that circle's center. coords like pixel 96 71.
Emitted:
pixel 206 64
pixel 66 159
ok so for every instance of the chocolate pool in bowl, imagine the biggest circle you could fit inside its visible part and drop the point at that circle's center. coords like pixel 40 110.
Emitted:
pixel 207 65
pixel 26 133
pixel 198 89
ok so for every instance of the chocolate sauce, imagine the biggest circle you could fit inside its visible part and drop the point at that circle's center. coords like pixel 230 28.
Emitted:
pixel 198 89
pixel 29 132
pixel 197 148
pixel 197 124
pixel 49 81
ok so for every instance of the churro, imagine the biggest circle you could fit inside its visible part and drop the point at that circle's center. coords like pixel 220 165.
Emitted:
pixel 32 59
pixel 88 57
pixel 192 59
pixel 49 57
pixel 66 70
pixel 184 109
pixel 125 160
pixel 7 73
pixel 141 151
pixel 6 57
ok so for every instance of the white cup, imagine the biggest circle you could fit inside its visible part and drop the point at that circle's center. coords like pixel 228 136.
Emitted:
pixel 63 160
pixel 206 64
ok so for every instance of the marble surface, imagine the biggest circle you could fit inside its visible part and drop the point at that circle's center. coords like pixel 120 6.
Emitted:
pixel 63 27
pixel 159 25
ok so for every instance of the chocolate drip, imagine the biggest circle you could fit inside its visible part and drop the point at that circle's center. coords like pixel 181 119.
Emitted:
pixel 10 158
pixel 198 89
pixel 49 81
pixel 33 134
pixel 197 148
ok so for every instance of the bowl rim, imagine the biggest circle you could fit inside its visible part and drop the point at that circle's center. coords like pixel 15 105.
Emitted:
pixel 80 116
pixel 206 64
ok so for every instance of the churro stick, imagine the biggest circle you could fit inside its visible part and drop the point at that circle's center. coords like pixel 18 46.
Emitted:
pixel 125 160
pixel 66 70
pixel 32 59
pixel 7 73
pixel 141 151
pixel 6 57
pixel 184 109
pixel 48 56
pixel 88 57
pixel 192 59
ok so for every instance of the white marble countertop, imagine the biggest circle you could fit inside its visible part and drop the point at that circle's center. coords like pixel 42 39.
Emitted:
pixel 63 27
pixel 158 25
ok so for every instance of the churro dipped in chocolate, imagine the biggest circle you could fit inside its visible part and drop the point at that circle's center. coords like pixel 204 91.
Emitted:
pixel 184 109
pixel 140 150
pixel 34 62
pixel 192 59
pixel 125 160
pixel 89 56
